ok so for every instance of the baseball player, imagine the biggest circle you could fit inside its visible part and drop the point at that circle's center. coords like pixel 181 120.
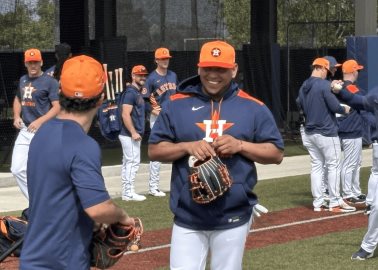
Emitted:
pixel 350 134
pixel 368 103
pixel 319 106
pixel 36 101
pixel 209 115
pixel 132 111
pixel 67 190
pixel 160 84
pixel 333 66
pixel 62 53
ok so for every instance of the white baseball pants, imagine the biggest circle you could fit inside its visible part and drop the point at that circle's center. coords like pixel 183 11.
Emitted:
pixel 350 167
pixel 305 142
pixel 154 165
pixel 130 163
pixel 324 151
pixel 190 248
pixel 370 241
pixel 20 159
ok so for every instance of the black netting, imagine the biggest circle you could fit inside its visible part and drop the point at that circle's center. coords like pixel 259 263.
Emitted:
pixel 123 33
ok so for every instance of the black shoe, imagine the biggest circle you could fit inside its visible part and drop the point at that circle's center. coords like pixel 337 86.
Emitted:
pixel 361 255
pixel 362 197
pixel 354 200
pixel 367 210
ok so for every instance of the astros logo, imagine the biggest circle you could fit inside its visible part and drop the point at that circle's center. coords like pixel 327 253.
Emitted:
pixel 214 128
pixel 216 52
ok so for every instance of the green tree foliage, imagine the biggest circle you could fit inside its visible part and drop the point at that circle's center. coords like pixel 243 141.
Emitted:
pixel 307 23
pixel 304 23
pixel 237 17
pixel 28 26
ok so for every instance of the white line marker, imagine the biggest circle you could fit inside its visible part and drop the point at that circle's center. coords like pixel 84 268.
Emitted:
pixel 259 230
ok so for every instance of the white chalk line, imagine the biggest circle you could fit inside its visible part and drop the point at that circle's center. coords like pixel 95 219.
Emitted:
pixel 261 229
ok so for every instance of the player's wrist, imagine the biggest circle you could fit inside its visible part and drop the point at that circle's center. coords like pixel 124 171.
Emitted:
pixel 240 146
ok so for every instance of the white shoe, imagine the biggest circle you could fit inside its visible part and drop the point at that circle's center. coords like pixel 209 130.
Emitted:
pixel 156 193
pixel 133 197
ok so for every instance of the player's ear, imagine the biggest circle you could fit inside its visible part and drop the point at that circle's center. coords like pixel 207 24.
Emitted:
pixel 41 63
pixel 198 71
pixel 234 71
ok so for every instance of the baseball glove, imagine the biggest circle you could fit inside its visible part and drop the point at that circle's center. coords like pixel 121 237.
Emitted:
pixel 109 244
pixel 209 179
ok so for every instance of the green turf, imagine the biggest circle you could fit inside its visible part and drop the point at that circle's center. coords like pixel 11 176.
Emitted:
pixel 330 251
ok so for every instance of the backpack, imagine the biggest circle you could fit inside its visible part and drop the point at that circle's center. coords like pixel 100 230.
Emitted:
pixel 12 229
pixel 110 118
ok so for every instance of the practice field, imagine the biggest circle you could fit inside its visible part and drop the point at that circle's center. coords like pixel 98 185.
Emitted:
pixel 290 236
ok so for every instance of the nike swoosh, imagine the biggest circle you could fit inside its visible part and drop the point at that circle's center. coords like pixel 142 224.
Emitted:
pixel 197 108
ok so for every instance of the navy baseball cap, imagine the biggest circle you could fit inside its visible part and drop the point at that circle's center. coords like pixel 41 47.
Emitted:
pixel 332 62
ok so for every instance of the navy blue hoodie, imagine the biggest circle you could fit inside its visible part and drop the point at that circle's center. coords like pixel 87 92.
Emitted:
pixel 319 106
pixel 190 115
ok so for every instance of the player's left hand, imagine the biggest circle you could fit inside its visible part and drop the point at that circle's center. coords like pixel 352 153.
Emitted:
pixel 226 145
pixel 259 209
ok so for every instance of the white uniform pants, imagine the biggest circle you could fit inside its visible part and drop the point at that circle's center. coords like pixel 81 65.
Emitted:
pixel 130 163
pixel 154 165
pixel 350 167
pixel 373 180
pixel 370 241
pixel 324 151
pixel 305 142
pixel 20 159
pixel 189 248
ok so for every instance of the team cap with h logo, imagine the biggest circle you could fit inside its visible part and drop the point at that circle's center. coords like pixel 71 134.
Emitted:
pixel 217 54
pixel 32 55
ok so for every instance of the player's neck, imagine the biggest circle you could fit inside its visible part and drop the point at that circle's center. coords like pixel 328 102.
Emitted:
pixel 161 71
pixel 83 119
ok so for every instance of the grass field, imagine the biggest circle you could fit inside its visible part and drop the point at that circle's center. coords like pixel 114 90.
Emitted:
pixel 329 251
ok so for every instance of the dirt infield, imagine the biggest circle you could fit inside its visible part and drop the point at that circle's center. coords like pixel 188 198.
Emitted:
pixel 273 228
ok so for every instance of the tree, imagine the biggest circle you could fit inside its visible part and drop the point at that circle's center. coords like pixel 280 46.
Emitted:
pixel 309 23
pixel 27 27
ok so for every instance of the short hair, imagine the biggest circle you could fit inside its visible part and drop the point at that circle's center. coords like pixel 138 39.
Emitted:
pixel 78 104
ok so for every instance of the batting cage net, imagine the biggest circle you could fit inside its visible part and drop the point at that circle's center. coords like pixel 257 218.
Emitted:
pixel 126 33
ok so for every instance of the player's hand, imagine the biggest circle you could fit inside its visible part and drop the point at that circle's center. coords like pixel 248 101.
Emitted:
pixel 34 126
pixel 226 145
pixel 127 221
pixel 336 86
pixel 347 108
pixel 136 137
pixel 17 122
pixel 200 149
pixel 156 111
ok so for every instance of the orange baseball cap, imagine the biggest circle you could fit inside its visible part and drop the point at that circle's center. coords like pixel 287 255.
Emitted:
pixel 217 54
pixel 33 55
pixel 139 70
pixel 82 77
pixel 162 53
pixel 321 62
pixel 350 66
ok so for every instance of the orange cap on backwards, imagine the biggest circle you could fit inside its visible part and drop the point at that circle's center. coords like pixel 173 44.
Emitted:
pixel 33 55
pixel 82 77
pixel 217 54
pixel 350 66
pixel 162 53
pixel 139 70
pixel 321 62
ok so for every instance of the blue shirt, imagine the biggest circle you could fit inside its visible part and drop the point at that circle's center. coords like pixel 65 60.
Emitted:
pixel 64 178
pixel 133 97
pixel 158 88
pixel 319 106
pixel 36 95
pixel 187 117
